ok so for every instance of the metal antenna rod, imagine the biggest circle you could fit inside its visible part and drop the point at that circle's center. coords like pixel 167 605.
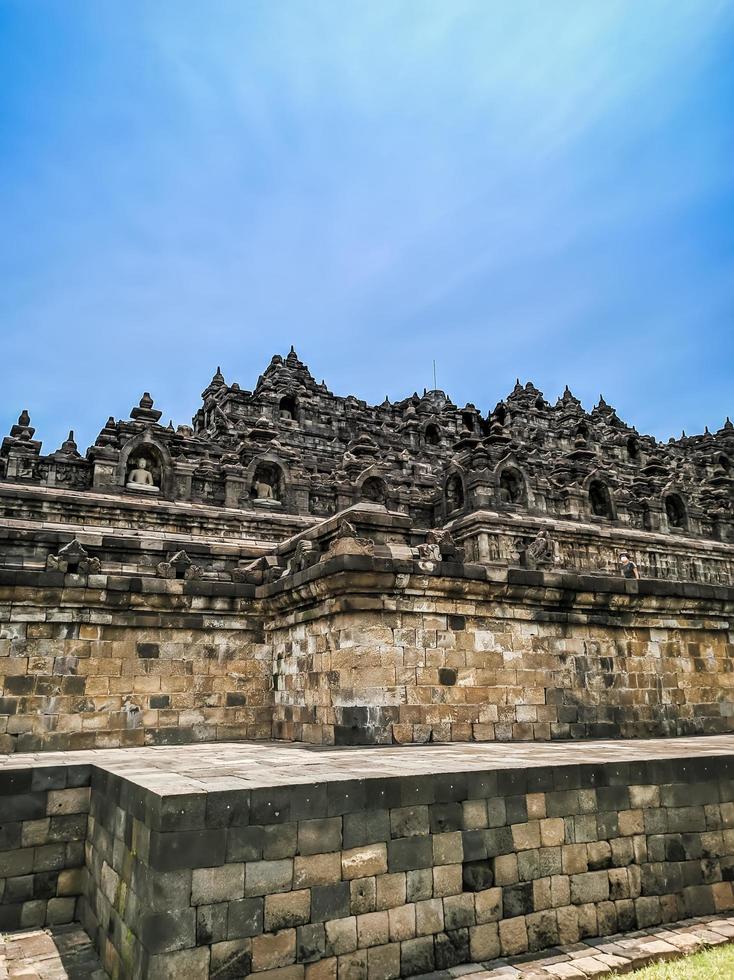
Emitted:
pixel 434 374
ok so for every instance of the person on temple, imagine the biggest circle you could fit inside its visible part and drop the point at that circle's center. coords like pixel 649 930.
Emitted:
pixel 629 568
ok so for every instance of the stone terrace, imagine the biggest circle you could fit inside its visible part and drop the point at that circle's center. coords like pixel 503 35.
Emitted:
pixel 294 862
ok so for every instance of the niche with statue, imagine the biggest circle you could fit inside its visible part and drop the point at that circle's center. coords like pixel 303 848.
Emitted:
pixel 267 486
pixel 144 471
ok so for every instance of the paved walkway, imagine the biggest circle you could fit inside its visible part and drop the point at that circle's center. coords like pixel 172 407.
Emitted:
pixel 610 956
pixel 58 953
pixel 247 765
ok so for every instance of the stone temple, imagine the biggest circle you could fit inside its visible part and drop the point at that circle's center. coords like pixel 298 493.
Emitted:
pixel 297 573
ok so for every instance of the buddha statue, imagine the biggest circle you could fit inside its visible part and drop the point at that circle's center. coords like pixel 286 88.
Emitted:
pixel 140 477
pixel 263 490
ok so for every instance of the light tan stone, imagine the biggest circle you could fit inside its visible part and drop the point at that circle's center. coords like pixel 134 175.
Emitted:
pixel 359 862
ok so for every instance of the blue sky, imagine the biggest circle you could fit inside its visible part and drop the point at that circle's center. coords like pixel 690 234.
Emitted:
pixel 542 189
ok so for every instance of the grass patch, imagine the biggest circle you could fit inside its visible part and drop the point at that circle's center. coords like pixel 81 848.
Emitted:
pixel 716 963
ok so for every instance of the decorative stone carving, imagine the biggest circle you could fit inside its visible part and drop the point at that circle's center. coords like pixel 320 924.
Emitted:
pixel 307 553
pixel 179 566
pixel 74 557
pixel 539 552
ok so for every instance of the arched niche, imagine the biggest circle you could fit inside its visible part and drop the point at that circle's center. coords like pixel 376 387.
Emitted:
pixel 374 490
pixel 267 483
pixel 468 421
pixel 454 493
pixel 512 487
pixel 145 467
pixel 432 434
pixel 675 511
pixel 600 500
pixel 288 408
pixel 633 448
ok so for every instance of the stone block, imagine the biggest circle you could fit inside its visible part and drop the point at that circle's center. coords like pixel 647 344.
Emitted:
pixel 429 917
pixel 448 848
pixel 448 879
pixel 451 948
pixel 268 877
pixel 222 884
pixel 341 936
pixel 166 932
pixel 273 950
pixel 71 881
pixel 60 911
pixel 458 911
pixel 353 966
pixel 416 956
pixel 401 923
pixel 542 929
pixel 64 801
pixel 187 849
pixel 484 942
pixel 319 836
pixel 383 962
pixel 367 827
pixel 370 859
pixel 513 936
pixel 317 869
pixel 245 918
pixel 288 909
pixel 325 969
pixel 474 815
pixel 279 841
pixel 419 884
pixel 389 891
pixel 505 869
pixel 552 831
pixel 231 959
pixel 373 929
pixel 574 859
pixel 409 821
pixel 363 894
pixel 593 886
pixel 211 924
pixel 409 853
pixel 182 965
pixel 310 942
pixel 330 901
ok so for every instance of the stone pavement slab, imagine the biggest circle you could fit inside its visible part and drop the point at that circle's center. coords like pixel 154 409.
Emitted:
pixel 58 953
pixel 170 770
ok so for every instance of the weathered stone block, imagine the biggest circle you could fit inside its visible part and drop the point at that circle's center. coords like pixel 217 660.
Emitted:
pixel 317 869
pixel 268 877
pixel 289 909
pixel 223 884
pixel 371 859
pixel 272 950
pixel 341 936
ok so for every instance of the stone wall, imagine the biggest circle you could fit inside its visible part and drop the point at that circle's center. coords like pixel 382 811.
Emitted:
pixel 369 651
pixel 101 661
pixel 43 826
pixel 359 649
pixel 379 878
